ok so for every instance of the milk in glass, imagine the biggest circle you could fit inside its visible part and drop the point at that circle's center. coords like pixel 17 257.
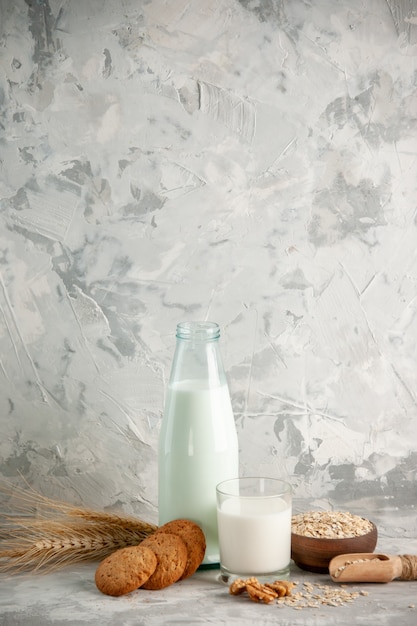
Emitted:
pixel 254 522
pixel 255 535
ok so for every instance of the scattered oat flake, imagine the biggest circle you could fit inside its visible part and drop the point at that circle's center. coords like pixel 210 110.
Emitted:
pixel 311 596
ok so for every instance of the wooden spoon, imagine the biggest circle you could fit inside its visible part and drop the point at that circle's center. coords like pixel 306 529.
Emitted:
pixel 372 568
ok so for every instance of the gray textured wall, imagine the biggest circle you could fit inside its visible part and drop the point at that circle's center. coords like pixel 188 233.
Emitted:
pixel 249 162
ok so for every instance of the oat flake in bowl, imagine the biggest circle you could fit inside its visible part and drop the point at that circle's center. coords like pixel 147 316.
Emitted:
pixel 318 536
pixel 330 524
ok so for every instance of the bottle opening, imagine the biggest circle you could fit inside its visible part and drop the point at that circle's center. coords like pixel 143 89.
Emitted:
pixel 203 331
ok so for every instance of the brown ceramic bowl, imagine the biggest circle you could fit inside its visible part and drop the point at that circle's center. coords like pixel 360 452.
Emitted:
pixel 314 553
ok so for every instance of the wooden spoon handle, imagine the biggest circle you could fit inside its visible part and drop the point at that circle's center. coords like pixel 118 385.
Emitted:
pixel 408 567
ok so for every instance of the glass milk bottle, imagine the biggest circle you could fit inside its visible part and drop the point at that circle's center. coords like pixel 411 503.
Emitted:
pixel 198 446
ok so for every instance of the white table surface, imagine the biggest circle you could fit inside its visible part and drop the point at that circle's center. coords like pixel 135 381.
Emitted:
pixel 70 597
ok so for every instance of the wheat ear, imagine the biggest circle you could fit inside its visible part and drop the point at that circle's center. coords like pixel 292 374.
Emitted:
pixel 46 534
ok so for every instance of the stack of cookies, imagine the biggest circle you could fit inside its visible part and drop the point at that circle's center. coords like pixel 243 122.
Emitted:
pixel 173 552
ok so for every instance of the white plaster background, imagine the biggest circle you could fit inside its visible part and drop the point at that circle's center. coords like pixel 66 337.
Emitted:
pixel 249 162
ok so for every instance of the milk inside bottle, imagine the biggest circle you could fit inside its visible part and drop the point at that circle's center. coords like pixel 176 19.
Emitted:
pixel 198 446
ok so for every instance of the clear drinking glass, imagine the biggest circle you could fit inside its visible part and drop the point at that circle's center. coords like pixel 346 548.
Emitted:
pixel 254 525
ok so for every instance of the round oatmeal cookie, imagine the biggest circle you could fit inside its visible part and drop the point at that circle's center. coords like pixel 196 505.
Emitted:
pixel 171 553
pixel 194 539
pixel 125 570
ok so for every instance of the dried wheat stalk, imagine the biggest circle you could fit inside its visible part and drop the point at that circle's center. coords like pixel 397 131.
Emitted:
pixel 44 534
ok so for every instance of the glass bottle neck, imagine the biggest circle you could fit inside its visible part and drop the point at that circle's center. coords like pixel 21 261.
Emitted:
pixel 197 355
pixel 198 331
